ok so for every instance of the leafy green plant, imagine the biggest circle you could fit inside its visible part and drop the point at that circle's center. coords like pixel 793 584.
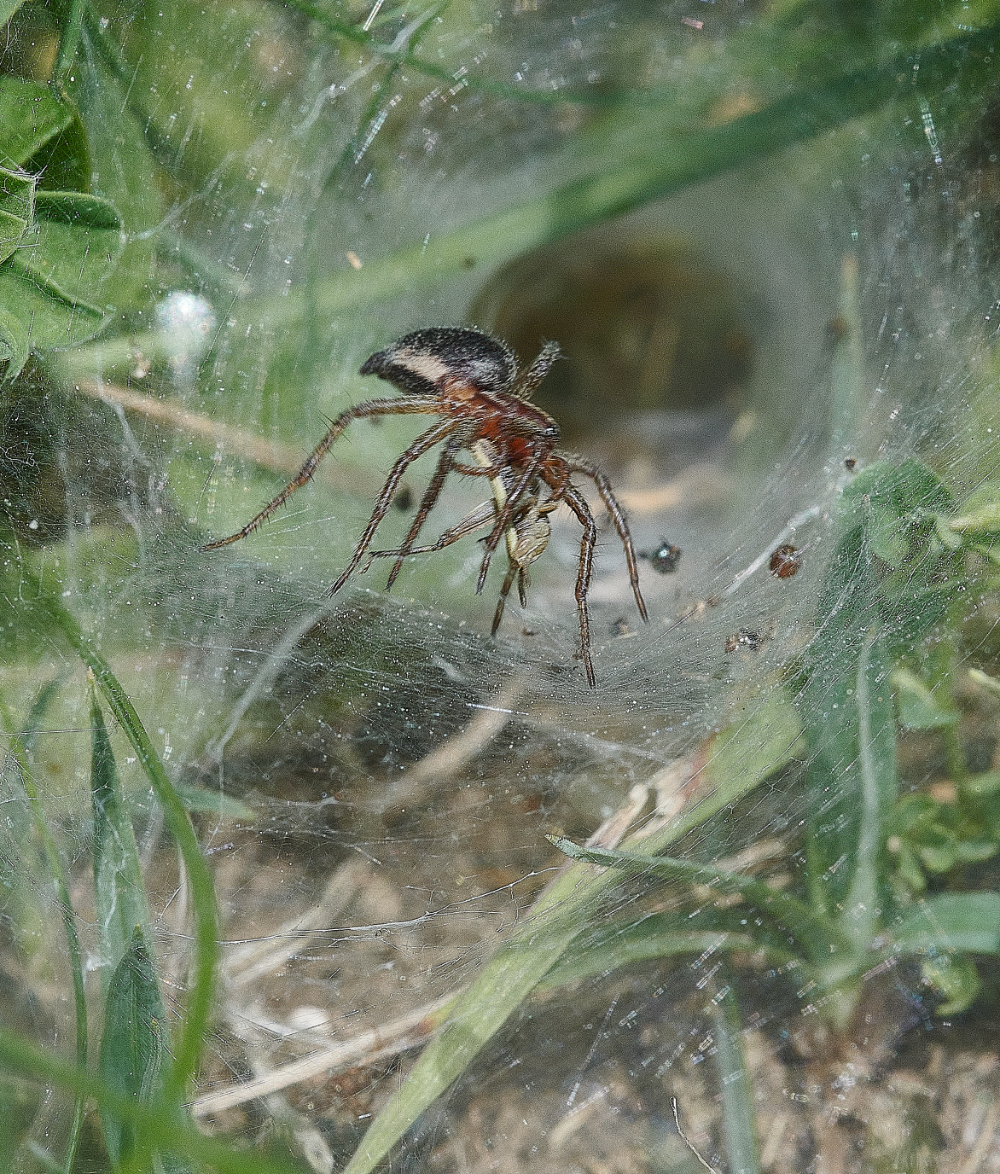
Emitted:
pixel 59 244
pixel 888 587
pixel 930 838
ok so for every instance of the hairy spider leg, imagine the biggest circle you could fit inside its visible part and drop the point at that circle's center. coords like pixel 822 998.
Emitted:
pixel 491 465
pixel 557 483
pixel 617 516
pixel 482 515
pixel 487 510
pixel 508 580
pixel 433 491
pixel 425 441
pixel 507 499
pixel 533 374
pixel 475 519
pixel 526 542
pixel 424 404
pixel 578 504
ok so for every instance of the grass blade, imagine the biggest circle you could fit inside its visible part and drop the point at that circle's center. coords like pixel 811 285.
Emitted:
pixel 133 1045
pixel 866 899
pixel 817 938
pixel 21 745
pixel 885 580
pixel 738 1121
pixel 191 1041
pixel 617 946
pixel 159 1129
pixel 968 922
pixel 118 882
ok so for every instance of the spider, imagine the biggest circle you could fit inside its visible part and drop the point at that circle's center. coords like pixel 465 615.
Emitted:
pixel 471 382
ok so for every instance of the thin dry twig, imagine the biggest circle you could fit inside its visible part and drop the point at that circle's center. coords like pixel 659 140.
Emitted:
pixel 365 1048
pixel 455 752
pixel 269 454
pixel 684 1138
pixel 255 959
pixel 286 459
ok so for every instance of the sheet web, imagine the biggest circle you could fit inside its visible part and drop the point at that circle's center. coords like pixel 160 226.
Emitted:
pixel 372 776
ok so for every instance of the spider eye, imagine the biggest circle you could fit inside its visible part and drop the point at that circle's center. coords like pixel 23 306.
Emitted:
pixel 421 363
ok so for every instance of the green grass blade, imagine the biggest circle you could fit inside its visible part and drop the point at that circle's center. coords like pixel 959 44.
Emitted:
pixel 624 939
pixel 879 784
pixel 136 1039
pixel 885 578
pixel 848 387
pixel 617 946
pixel 191 1041
pixel 118 882
pixel 69 40
pixel 818 938
pixel 158 1127
pixel 133 1045
pixel 736 1087
pixel 967 922
pixel 21 745
pixel 343 30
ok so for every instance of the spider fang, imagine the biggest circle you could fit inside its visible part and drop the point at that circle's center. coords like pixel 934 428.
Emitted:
pixel 471 382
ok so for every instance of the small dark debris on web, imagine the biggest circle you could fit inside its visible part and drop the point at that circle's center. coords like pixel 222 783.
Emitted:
pixel 665 559
pixel 786 561
pixel 744 638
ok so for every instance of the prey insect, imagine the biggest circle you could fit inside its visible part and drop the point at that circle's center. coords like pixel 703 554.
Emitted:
pixel 471 382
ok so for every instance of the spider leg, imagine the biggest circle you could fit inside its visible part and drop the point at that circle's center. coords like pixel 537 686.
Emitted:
pixel 433 491
pixel 475 470
pixel 474 520
pixel 617 515
pixel 530 378
pixel 577 503
pixel 490 543
pixel 377 407
pixel 504 592
pixel 425 441
pixel 506 525
pixel 507 499
pixel 485 455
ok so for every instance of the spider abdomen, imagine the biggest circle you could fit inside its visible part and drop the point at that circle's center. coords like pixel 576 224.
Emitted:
pixel 432 361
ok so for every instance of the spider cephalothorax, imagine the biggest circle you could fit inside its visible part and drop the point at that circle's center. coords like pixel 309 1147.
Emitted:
pixel 471 382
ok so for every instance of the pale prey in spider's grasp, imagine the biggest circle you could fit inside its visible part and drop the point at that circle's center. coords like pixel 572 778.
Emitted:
pixel 471 382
